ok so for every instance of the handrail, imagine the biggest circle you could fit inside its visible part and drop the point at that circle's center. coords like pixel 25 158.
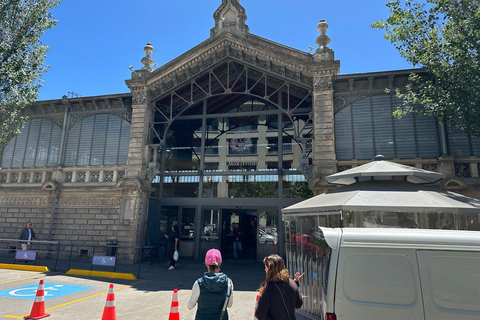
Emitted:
pixel 32 241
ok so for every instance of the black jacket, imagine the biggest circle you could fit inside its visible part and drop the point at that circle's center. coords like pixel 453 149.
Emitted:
pixel 271 306
pixel 24 234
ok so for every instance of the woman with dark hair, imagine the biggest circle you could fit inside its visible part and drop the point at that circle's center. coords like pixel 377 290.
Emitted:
pixel 279 295
pixel 173 245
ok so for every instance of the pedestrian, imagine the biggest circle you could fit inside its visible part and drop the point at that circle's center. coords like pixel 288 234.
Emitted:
pixel 213 292
pixel 279 295
pixel 27 234
pixel 173 239
pixel 237 241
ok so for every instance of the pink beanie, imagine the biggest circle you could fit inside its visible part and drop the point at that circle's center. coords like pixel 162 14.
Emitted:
pixel 213 255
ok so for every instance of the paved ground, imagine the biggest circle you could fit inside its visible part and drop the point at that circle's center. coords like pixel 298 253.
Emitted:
pixel 146 298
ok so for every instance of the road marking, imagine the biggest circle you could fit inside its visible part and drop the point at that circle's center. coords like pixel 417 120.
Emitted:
pixel 51 290
pixel 21 279
pixel 75 301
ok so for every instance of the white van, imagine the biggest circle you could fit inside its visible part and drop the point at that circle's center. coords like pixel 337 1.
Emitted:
pixel 401 274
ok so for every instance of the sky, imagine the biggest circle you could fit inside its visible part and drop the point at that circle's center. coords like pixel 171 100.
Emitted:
pixel 95 41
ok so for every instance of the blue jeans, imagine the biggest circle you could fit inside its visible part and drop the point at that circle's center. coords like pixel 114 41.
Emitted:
pixel 237 245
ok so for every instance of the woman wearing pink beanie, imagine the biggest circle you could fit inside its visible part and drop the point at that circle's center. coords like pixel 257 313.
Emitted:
pixel 213 292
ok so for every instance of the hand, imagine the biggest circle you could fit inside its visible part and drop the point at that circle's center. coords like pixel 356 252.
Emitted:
pixel 298 276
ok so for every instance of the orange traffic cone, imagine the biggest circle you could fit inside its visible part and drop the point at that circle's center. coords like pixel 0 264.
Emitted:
pixel 256 305
pixel 174 314
pixel 109 310
pixel 38 308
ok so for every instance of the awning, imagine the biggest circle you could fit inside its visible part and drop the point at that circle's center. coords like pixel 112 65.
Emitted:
pixel 384 170
pixel 389 196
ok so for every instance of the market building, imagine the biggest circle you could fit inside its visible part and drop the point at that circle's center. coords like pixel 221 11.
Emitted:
pixel 231 131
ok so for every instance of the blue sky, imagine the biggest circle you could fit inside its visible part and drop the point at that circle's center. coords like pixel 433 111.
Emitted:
pixel 96 40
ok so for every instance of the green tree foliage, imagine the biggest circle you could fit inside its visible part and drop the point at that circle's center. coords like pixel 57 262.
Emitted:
pixel 298 190
pixel 22 23
pixel 443 37
pixel 254 189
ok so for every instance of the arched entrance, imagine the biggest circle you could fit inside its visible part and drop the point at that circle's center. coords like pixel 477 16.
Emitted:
pixel 228 145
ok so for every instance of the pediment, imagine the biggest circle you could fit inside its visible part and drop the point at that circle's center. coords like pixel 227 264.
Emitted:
pixel 297 66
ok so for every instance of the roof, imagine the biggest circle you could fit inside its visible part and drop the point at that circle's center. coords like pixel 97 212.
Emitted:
pixel 402 238
pixel 391 196
pixel 384 170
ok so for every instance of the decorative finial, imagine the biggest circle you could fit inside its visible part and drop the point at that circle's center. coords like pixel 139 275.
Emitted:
pixel 230 17
pixel 147 61
pixel 323 52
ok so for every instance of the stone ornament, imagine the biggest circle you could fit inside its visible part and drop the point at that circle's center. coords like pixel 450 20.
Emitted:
pixel 89 201
pixel 147 61
pixel 324 84
pixel 24 201
pixel 323 53
pixel 230 17
pixel 139 97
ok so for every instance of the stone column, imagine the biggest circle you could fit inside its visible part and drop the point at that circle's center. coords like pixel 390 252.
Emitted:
pixel 138 156
pixel 326 67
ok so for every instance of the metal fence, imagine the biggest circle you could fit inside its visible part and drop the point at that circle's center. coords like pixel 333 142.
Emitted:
pixel 84 256
pixel 44 251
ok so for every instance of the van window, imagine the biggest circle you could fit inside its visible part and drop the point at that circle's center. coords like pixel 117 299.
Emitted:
pixel 380 279
pixel 455 281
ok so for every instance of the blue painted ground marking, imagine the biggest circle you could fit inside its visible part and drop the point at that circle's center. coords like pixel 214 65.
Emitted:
pixel 51 290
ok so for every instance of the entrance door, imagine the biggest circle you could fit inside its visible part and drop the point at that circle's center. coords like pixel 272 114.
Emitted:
pixel 247 226
pixel 187 232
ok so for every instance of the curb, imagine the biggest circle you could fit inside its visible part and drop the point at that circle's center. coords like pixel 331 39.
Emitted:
pixel 102 274
pixel 24 267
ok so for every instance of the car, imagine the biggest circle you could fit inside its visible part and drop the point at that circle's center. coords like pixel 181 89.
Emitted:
pixel 266 238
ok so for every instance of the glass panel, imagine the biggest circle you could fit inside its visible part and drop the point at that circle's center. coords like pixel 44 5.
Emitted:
pixel 210 231
pixel 253 186
pixel 469 221
pixel 183 140
pixel 85 143
pixel 295 186
pixel 48 145
pixel 427 137
pixel 458 144
pixel 308 253
pixel 168 218
pixel 7 154
pixel 180 186
pixel 441 221
pixel 210 226
pixel 405 137
pixel 214 186
pixel 20 145
pixel 382 121
pixel 124 144
pixel 187 232
pixel 32 143
pixel 99 140
pixel 267 227
pixel 363 129
pixel 343 134
pixel 375 219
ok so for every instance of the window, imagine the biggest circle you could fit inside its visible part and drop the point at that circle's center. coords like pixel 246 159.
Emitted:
pixel 98 140
pixel 36 146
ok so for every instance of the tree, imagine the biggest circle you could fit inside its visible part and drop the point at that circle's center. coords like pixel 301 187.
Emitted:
pixel 22 23
pixel 443 37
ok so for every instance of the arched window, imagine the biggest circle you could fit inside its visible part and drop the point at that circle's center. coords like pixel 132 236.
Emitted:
pixel 366 128
pixel 36 146
pixel 98 140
